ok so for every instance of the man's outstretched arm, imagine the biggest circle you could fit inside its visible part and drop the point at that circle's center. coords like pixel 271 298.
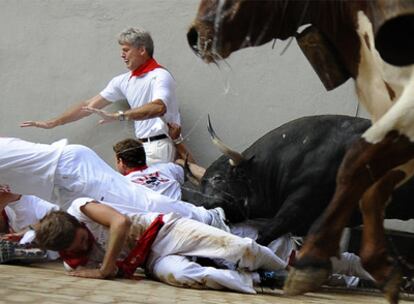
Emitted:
pixel 74 113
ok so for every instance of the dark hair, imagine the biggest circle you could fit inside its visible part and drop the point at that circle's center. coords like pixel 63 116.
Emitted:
pixel 137 37
pixel 131 152
pixel 56 231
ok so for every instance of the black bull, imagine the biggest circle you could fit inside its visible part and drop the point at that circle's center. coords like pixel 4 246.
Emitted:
pixel 288 176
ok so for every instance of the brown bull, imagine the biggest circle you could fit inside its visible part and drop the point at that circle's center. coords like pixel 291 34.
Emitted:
pixel 372 42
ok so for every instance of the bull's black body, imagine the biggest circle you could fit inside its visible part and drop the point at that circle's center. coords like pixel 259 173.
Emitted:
pixel 288 176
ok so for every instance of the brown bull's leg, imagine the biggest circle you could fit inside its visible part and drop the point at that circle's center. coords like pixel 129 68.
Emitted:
pixel 374 254
pixel 362 166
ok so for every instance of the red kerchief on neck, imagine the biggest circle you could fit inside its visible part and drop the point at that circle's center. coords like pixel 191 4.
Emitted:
pixel 76 259
pixel 148 66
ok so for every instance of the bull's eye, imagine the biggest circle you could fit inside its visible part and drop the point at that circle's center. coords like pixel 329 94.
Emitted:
pixel 217 178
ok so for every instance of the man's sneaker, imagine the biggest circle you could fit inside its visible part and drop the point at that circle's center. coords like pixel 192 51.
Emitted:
pixel 219 219
pixel 272 279
pixel 11 251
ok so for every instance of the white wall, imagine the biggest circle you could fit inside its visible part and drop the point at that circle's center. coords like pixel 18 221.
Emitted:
pixel 54 53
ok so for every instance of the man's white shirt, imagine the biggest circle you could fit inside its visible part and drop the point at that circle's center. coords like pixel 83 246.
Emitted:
pixel 164 178
pixel 28 210
pixel 138 91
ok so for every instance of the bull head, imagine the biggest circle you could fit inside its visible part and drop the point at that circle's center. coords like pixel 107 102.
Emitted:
pixel 222 27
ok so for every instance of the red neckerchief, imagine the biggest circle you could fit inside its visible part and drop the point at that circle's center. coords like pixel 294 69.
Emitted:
pixel 148 66
pixel 76 259
pixel 139 254
pixel 140 168
pixel 6 220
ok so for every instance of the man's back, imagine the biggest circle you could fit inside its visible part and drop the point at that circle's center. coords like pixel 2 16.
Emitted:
pixel 164 178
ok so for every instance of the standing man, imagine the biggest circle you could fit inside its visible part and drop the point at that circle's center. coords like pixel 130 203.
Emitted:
pixel 150 91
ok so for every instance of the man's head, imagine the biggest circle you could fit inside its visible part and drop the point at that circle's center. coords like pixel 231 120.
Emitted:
pixel 136 47
pixel 59 231
pixel 129 154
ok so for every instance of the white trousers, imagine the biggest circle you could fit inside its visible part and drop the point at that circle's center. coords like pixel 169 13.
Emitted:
pixel 182 238
pixel 349 264
pixel 159 151
pixel 82 173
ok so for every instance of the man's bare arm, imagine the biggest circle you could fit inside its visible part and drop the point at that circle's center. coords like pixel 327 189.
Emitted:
pixel 118 225
pixel 155 108
pixel 74 113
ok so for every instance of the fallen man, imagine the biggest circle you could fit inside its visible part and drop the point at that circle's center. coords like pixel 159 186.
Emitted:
pixel 74 171
pixel 19 214
pixel 93 233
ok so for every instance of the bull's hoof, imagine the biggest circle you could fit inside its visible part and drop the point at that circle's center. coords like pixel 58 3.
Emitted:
pixel 306 278
pixel 391 287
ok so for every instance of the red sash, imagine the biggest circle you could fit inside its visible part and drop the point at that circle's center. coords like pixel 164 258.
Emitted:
pixel 148 66
pixel 139 254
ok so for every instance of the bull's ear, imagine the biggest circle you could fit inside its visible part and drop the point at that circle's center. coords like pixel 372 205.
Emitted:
pixel 249 160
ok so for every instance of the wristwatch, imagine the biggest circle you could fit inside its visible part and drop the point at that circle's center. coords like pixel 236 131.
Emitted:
pixel 121 116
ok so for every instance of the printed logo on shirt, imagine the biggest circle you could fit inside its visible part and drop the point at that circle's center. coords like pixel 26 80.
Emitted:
pixel 150 180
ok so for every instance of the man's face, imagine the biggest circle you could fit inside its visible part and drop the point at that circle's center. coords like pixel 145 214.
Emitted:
pixel 81 241
pixel 133 56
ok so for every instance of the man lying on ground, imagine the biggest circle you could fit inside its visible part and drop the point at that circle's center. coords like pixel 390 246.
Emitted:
pixel 19 215
pixel 167 178
pixel 93 233
pixel 74 171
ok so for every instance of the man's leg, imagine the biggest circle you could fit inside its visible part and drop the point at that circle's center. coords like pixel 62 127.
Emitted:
pixel 191 238
pixel 180 271
pixel 160 151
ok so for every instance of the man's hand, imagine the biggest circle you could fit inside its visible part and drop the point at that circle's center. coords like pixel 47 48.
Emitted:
pixel 174 130
pixel 106 116
pixel 95 273
pixel 47 124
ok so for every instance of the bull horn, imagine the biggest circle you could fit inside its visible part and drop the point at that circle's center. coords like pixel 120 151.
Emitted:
pixel 235 157
pixel 393 23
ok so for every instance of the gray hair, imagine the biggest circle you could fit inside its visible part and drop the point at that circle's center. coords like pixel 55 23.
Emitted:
pixel 137 38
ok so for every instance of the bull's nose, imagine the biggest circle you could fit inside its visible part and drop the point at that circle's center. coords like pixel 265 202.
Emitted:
pixel 192 38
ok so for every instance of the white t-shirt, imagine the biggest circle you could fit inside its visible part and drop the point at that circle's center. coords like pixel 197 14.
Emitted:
pixel 140 222
pixel 27 211
pixel 138 91
pixel 164 178
pixel 29 168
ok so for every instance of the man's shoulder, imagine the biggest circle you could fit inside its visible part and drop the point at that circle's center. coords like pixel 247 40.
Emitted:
pixel 162 72
pixel 161 166
pixel 121 77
